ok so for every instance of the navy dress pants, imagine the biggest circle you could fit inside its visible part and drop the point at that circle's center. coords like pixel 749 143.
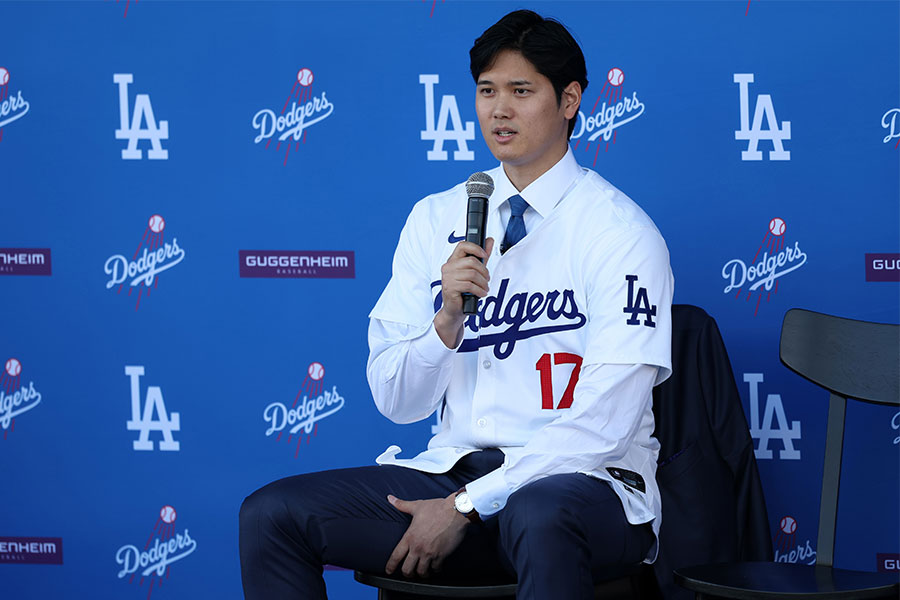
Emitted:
pixel 555 534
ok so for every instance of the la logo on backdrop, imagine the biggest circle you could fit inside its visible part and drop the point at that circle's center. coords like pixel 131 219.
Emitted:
pixel 16 398
pixel 133 129
pixel 300 111
pixel 774 258
pixel 447 127
pixel 144 421
pixel 773 425
pixel 142 270
pixel 152 560
pixel 754 131
pixel 601 125
pixel 11 109
pixel 313 403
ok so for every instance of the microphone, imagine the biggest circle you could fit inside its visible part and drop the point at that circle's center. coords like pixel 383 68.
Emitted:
pixel 479 187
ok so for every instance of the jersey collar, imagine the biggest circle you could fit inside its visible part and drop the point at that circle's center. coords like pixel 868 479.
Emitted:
pixel 545 192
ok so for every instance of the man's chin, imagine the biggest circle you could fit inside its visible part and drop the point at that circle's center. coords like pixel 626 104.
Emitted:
pixel 505 154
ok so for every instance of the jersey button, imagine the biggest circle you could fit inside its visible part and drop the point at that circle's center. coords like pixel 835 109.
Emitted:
pixel 482 422
pixel 486 364
pixel 495 505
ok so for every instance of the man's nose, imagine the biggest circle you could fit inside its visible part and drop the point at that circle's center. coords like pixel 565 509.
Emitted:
pixel 503 108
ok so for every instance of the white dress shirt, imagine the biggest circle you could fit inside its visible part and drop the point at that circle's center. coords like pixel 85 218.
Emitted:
pixel 588 289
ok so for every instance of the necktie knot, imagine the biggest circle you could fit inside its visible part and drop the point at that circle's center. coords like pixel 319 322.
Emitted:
pixel 518 205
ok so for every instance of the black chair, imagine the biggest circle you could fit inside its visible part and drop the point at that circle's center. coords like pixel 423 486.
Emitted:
pixel 638 584
pixel 851 359
pixel 393 588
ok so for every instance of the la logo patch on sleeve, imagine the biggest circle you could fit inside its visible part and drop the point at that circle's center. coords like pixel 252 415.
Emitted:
pixel 639 305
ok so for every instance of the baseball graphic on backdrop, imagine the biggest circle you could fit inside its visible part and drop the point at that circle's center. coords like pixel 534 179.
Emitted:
pixel 157 223
pixel 316 371
pixel 304 77
pixel 788 525
pixel 777 226
pixel 13 367
pixel 615 76
pixel 4 76
pixel 167 514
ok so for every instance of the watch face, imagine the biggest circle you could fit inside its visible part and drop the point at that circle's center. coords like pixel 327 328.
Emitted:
pixel 463 504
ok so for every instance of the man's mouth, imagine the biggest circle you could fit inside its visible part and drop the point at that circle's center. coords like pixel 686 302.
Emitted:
pixel 504 133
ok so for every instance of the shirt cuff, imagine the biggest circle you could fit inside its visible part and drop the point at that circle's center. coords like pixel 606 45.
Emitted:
pixel 489 493
pixel 431 348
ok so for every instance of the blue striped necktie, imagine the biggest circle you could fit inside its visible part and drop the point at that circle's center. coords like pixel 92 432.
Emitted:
pixel 515 229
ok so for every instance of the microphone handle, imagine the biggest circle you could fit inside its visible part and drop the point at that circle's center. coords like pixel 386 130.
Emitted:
pixel 476 225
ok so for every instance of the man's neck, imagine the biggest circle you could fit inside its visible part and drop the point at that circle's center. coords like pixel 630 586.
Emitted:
pixel 523 176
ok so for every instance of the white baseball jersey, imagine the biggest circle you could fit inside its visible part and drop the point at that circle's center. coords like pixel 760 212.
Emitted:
pixel 557 368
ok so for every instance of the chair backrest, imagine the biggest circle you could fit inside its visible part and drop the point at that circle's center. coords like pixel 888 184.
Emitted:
pixel 851 359
pixel 854 359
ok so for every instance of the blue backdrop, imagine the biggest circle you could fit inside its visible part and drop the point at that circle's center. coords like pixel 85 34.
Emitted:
pixel 144 394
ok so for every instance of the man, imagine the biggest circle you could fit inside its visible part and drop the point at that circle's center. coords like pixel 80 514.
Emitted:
pixel 545 462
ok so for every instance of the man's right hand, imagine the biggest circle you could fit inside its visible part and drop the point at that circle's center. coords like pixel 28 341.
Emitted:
pixel 462 273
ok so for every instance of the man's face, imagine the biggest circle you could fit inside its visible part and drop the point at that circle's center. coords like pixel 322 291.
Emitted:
pixel 521 121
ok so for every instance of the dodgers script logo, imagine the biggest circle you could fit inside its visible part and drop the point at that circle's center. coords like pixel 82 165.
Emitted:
pixel 514 313
pixel 891 122
pixel 301 110
pixel 448 126
pixel 787 549
pixel 153 559
pixel 143 269
pixel 312 404
pixel 133 131
pixel 603 122
pixel 15 397
pixel 754 132
pixel 773 259
pixel 11 109
pixel 143 420
pixel 774 424
pixel 895 425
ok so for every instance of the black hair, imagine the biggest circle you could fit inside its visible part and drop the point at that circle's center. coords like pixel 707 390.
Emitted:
pixel 545 43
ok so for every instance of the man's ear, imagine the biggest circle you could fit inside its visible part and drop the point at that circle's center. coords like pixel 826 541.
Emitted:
pixel 571 99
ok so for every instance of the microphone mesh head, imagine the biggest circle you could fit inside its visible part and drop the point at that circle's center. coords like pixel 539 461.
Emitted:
pixel 480 184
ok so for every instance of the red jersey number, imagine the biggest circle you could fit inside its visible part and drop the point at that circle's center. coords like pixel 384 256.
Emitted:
pixel 544 367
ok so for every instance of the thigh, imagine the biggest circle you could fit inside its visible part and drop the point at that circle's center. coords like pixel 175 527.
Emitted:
pixel 343 515
pixel 345 519
pixel 582 511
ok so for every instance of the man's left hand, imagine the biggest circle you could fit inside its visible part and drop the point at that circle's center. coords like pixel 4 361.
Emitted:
pixel 436 530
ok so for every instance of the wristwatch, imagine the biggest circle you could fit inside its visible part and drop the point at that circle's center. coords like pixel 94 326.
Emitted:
pixel 463 505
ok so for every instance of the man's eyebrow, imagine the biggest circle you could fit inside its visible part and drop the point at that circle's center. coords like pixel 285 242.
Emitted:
pixel 512 83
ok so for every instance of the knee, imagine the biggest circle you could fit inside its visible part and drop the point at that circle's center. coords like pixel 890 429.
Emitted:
pixel 257 508
pixel 269 507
